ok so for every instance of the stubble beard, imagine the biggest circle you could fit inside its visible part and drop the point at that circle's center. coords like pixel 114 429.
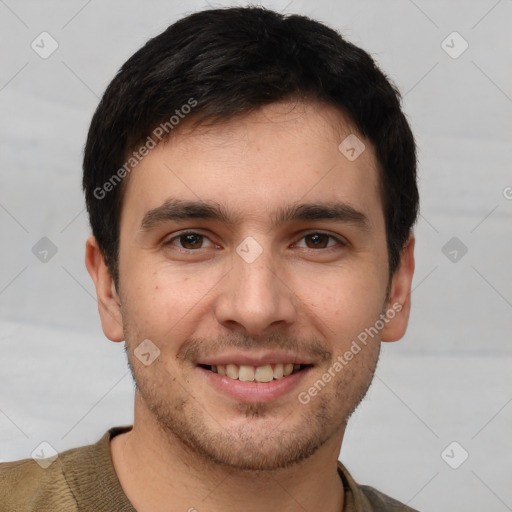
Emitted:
pixel 260 443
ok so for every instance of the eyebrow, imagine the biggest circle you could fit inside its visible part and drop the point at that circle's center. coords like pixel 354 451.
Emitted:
pixel 176 209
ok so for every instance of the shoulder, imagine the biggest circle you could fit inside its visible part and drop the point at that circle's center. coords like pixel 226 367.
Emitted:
pixel 381 502
pixel 81 478
pixel 363 498
pixel 26 486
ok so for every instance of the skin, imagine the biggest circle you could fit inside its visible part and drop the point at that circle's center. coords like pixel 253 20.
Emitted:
pixel 193 447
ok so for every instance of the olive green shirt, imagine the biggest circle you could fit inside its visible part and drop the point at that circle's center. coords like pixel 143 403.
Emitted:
pixel 84 480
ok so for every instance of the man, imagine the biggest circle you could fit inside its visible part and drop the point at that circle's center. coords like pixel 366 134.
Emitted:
pixel 251 186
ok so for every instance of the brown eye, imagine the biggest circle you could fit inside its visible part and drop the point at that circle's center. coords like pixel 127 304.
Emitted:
pixel 188 241
pixel 318 240
pixel 191 241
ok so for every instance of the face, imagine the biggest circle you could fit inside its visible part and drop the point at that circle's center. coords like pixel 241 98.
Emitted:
pixel 249 250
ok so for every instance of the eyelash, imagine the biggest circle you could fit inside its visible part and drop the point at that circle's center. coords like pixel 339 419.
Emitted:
pixel 340 241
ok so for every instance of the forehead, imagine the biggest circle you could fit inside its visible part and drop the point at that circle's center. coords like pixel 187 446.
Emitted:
pixel 254 163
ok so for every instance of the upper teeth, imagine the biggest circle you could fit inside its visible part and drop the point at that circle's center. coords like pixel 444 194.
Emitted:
pixel 264 373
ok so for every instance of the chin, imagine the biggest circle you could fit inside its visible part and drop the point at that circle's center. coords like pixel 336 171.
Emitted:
pixel 262 454
pixel 253 441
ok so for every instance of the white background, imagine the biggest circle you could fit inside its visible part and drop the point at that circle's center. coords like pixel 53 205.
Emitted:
pixel 448 380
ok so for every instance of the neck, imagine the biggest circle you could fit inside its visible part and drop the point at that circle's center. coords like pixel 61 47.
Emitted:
pixel 158 473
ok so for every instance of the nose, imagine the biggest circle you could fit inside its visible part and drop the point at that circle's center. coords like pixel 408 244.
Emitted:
pixel 254 297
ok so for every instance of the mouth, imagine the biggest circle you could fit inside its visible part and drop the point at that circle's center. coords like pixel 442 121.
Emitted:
pixel 255 378
pixel 262 374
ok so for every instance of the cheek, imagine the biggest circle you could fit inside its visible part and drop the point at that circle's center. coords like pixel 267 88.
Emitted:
pixel 344 300
pixel 159 302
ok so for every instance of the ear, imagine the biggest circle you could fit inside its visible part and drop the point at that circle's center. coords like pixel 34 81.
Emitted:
pixel 109 304
pixel 398 306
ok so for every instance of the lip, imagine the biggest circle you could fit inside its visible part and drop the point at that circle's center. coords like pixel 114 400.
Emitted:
pixel 254 392
pixel 254 359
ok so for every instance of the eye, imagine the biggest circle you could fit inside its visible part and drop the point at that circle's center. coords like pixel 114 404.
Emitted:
pixel 188 240
pixel 191 241
pixel 321 241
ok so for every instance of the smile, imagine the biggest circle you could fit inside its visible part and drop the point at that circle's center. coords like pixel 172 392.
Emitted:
pixel 248 373
pixel 263 376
